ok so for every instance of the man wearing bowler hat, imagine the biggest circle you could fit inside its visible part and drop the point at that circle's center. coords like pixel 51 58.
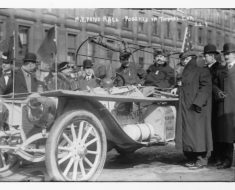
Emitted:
pixel 225 130
pixel 216 69
pixel 193 129
pixel 87 80
pixel 25 80
pixel 6 79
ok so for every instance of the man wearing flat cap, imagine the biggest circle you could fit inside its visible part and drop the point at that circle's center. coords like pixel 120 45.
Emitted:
pixel 193 130
pixel 160 74
pixel 25 80
pixel 6 79
pixel 127 70
pixel 225 129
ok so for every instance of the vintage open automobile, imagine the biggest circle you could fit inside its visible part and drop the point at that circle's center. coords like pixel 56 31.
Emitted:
pixel 72 131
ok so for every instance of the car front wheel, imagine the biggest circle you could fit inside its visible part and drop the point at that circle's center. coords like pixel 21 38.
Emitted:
pixel 76 147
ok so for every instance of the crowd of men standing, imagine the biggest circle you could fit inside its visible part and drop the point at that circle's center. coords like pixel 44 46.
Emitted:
pixel 206 111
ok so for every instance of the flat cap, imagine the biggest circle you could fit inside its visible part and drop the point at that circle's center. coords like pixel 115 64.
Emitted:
pixel 189 53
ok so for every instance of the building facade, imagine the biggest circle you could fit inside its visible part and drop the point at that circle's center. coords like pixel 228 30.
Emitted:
pixel 158 28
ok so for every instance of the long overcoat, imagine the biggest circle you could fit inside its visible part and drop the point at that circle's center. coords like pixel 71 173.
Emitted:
pixel 193 130
pixel 225 130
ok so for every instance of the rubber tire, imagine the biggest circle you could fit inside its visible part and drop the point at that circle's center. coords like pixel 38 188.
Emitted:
pixel 54 136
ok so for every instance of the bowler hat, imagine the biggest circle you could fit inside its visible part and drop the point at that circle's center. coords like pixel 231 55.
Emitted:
pixel 63 65
pixel 87 63
pixel 5 58
pixel 188 53
pixel 124 55
pixel 228 48
pixel 30 57
pixel 210 48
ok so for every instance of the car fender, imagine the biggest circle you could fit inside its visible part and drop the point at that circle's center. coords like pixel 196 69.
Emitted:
pixel 116 137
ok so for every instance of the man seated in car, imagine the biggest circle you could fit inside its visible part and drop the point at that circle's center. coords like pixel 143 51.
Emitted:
pixel 88 79
pixel 128 71
pixel 25 78
pixel 160 74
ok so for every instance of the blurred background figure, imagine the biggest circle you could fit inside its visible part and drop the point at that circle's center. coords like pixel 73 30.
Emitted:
pixel 6 76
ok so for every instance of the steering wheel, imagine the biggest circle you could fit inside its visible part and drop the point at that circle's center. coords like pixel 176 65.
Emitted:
pixel 118 80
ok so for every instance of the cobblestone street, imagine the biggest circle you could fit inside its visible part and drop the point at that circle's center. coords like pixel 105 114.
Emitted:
pixel 160 163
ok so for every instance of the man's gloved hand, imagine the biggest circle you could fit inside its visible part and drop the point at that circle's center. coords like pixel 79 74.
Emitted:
pixel 196 108
pixel 221 95
pixel 174 91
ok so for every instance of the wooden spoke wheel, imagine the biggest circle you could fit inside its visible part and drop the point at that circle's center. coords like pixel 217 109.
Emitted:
pixel 76 148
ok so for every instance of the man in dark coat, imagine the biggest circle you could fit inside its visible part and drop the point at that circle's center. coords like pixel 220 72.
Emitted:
pixel 127 70
pixel 25 80
pixel 215 68
pixel 225 131
pixel 87 80
pixel 160 74
pixel 6 79
pixel 193 131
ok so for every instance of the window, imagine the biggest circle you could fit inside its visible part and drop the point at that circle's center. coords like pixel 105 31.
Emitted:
pixel 200 36
pixel 218 40
pixel 233 22
pixel 141 55
pixel 155 25
pixel 226 19
pixel 209 36
pixel 24 39
pixel 141 20
pixel 110 52
pixel 167 30
pixel 125 23
pixel 179 31
pixel 1 31
pixel 217 16
pixel 141 60
pixel 226 38
pixel 71 45
pixel 190 30
pixel 141 26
